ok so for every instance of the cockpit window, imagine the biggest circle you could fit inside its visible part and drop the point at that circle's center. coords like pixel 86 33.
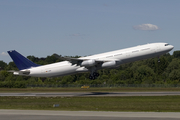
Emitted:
pixel 166 44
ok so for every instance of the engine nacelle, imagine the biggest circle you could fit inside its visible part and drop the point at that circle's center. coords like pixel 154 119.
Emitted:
pixel 88 63
pixel 109 64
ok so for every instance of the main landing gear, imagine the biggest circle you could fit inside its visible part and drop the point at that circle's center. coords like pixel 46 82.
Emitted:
pixel 93 76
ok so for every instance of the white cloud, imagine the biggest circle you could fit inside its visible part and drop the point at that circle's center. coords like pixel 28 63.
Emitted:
pixel 4 53
pixel 146 27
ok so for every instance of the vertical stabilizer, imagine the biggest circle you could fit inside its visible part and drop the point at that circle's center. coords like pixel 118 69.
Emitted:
pixel 21 61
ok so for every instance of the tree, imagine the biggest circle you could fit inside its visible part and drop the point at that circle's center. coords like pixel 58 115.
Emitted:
pixel 3 75
pixel 67 80
pixel 33 58
pixel 175 64
pixel 175 74
pixel 161 66
pixel 149 71
pixel 176 54
pixel 143 72
pixel 11 66
pixel 51 59
pixel 3 65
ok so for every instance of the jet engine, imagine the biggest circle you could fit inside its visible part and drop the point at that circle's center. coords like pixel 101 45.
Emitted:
pixel 109 64
pixel 88 63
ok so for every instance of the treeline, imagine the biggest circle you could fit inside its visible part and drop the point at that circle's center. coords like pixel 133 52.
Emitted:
pixel 149 71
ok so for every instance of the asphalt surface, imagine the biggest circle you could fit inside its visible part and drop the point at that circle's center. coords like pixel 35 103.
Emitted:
pixel 88 115
pixel 89 94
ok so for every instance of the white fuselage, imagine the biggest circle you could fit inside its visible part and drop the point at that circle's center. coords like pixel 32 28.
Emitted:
pixel 120 56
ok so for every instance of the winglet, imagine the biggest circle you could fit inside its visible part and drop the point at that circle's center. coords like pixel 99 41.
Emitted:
pixel 20 61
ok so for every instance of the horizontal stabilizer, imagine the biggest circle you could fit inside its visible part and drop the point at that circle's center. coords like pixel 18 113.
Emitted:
pixel 26 72
pixel 21 61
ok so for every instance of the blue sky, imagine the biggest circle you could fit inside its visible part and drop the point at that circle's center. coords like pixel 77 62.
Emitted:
pixel 85 27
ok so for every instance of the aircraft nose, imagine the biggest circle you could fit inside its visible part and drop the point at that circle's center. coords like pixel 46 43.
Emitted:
pixel 171 47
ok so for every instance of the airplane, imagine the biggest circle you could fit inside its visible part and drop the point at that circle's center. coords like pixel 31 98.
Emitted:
pixel 90 64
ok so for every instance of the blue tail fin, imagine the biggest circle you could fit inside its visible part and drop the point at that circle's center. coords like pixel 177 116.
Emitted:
pixel 20 61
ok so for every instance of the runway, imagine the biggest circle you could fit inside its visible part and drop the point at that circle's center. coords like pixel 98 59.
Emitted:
pixel 88 115
pixel 91 94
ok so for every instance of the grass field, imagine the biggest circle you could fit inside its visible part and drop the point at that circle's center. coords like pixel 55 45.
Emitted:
pixel 102 89
pixel 136 103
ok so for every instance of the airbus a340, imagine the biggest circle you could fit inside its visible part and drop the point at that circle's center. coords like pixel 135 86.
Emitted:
pixel 90 63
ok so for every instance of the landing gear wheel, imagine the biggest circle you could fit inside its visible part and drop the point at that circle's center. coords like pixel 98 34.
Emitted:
pixel 93 76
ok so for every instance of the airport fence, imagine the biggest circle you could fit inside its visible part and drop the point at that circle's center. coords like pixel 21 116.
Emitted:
pixel 107 86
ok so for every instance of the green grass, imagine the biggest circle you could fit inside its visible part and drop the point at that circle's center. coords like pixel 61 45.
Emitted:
pixel 130 103
pixel 101 89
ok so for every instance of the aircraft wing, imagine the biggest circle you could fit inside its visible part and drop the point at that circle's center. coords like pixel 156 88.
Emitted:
pixel 80 60
pixel 71 60
pixel 87 62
